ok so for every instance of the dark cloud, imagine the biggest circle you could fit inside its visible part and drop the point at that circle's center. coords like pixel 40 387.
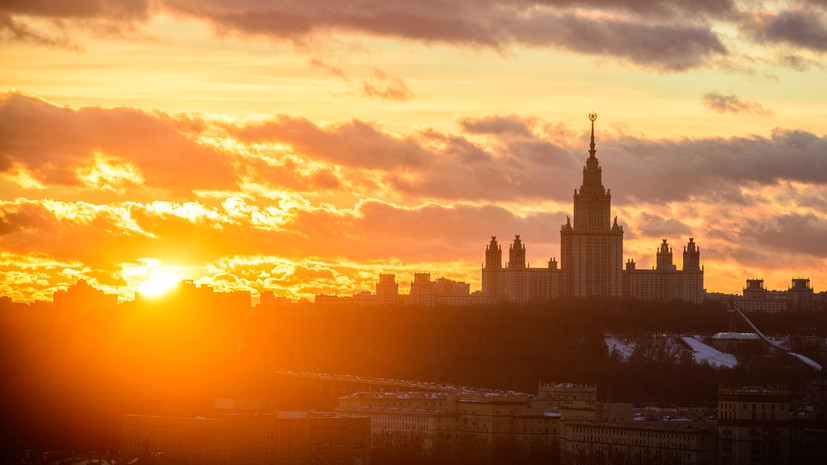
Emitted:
pixel 651 7
pixel 112 18
pixel 17 217
pixel 720 103
pixel 443 166
pixel 111 9
pixel 670 43
pixel 792 232
pixel 655 226
pixel 356 144
pixel 796 62
pixel 803 27
pixel 666 170
pixel 668 46
pixel 19 30
pixel 53 143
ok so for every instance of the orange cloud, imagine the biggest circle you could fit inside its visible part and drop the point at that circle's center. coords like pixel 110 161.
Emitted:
pixel 329 206
pixel 55 145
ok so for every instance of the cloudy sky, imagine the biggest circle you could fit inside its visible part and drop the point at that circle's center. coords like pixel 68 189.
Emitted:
pixel 306 146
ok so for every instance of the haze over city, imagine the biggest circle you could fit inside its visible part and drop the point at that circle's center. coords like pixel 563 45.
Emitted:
pixel 408 233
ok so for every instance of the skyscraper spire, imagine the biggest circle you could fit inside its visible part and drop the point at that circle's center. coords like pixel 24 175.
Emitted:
pixel 592 151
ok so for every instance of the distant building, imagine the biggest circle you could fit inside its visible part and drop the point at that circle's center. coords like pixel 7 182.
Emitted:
pixel 591 257
pixel 458 424
pixel 680 443
pixel 664 282
pixel 516 282
pixel 83 296
pixel 800 295
pixel 423 290
pixel 735 343
pixel 591 248
pixel 280 438
pixel 579 402
pixel 567 393
pixel 754 426
pixel 387 290
pixel 756 298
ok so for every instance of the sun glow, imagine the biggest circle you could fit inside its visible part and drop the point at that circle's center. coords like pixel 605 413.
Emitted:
pixel 159 283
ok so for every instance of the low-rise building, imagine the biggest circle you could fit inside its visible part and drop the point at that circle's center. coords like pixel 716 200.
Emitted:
pixel 279 438
pixel 756 298
pixel 600 442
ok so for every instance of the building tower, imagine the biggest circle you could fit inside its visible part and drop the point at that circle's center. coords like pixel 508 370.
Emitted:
pixel 591 255
pixel 493 265
pixel 691 256
pixel 800 295
pixel 664 258
pixel 422 290
pixel 387 290
pixel 493 255
pixel 516 254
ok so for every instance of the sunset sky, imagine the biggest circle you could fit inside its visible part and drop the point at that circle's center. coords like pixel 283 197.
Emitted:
pixel 306 146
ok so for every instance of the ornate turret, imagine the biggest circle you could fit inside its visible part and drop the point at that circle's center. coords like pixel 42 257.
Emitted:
pixel 691 256
pixel 516 254
pixel 592 203
pixel 493 255
pixel 665 257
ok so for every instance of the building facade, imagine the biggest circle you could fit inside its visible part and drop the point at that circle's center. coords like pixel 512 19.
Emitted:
pixel 387 290
pixel 591 246
pixel 665 281
pixel 516 282
pixel 279 438
pixel 756 298
pixel 754 425
pixel 599 442
pixel 461 425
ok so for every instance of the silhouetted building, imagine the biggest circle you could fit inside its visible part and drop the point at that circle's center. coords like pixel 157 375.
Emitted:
pixel 464 425
pixel 800 295
pixel 280 438
pixel 82 295
pixel 567 393
pixel 267 299
pixel 591 257
pixel 680 443
pixel 387 290
pixel 754 425
pixel 665 282
pixel 517 282
pixel 423 290
pixel 591 247
pixel 756 298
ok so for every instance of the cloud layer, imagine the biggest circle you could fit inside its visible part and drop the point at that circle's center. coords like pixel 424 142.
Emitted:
pixel 301 207
pixel 665 36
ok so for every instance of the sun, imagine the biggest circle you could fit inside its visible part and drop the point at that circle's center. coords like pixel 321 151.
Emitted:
pixel 159 282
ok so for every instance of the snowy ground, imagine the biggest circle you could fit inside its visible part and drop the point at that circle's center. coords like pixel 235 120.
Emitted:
pixel 624 347
pixel 705 353
pixel 806 360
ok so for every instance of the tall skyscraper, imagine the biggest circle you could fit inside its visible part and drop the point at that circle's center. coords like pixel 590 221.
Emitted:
pixel 591 254
pixel 591 257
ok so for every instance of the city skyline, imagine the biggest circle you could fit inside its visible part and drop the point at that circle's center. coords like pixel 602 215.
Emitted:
pixel 307 149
